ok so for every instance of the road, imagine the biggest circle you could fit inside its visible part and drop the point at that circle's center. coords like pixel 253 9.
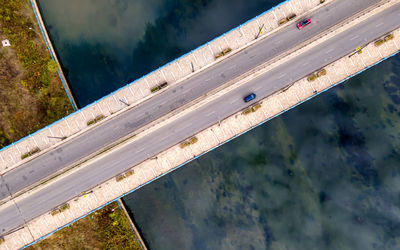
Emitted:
pixel 162 104
pixel 124 158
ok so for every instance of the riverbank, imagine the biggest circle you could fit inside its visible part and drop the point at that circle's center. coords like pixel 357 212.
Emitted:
pixel 107 228
pixel 31 93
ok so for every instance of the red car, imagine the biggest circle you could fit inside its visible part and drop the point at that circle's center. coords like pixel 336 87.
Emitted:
pixel 303 23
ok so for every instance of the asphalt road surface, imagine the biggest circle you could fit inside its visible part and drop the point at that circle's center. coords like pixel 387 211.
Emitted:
pixel 124 158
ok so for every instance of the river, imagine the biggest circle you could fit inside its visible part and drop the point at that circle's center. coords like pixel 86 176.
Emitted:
pixel 324 175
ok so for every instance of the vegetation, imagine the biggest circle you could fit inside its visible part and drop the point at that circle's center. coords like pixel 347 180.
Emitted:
pixel 321 1
pixel 286 19
pixel 158 87
pixel 379 42
pixel 186 143
pixel 123 176
pixel 96 119
pixel 311 78
pixel 222 53
pixel 388 37
pixel 60 209
pixel 31 93
pixel 120 177
pixel 252 109
pixel 107 228
pixel 33 151
pixel 383 40
pixel 320 73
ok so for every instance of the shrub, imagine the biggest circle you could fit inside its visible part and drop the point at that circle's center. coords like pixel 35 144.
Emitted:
pixel 184 144
pixel 1 240
pixel 192 140
pixel 222 53
pixel 255 107
pixel 54 212
pixel 163 85
pixel 321 1
pixel 155 89
pixel 311 78
pixel 64 207
pixel 33 151
pixel 226 51
pixel 379 42
pixel 96 119
pixel 283 21
pixel 246 111
pixel 129 173
pixel 291 17
pixel 321 72
pixel 119 177
pixel 388 37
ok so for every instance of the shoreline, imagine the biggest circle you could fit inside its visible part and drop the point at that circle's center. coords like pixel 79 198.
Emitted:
pixel 53 54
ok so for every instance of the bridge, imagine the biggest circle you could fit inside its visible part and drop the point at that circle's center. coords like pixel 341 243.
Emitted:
pixel 152 136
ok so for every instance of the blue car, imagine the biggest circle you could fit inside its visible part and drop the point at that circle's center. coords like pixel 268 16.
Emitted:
pixel 249 97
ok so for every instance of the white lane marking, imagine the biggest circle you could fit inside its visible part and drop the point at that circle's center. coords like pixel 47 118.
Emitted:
pixel 281 76
pixel 210 114
pixel 329 51
pixel 357 36
pixel 379 24
pixel 233 101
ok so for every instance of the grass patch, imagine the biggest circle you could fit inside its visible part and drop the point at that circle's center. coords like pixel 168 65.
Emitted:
pixel 26 70
pixel 96 119
pixel 186 143
pixel 33 151
pixel 107 228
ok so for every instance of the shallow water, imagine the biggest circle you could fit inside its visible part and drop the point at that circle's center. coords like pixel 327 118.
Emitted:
pixel 324 175
pixel 105 44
